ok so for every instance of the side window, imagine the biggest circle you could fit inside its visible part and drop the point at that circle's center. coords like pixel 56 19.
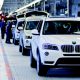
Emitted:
pixel 23 24
pixel 31 25
pixel 39 26
pixel 46 25
pixel 49 28
pixel 27 25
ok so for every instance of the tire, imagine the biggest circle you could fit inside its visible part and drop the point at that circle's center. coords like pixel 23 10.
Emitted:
pixel 28 52
pixel 41 69
pixel 15 42
pixel 23 51
pixel 32 60
pixel 20 48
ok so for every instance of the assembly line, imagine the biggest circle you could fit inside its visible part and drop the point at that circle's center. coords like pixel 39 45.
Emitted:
pixel 40 42
pixel 18 67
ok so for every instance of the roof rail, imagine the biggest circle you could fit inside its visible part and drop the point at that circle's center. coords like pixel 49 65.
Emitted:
pixel 20 16
pixel 11 18
pixel 36 13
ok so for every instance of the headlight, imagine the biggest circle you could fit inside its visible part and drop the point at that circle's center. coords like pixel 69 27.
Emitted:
pixel 50 46
pixel 28 37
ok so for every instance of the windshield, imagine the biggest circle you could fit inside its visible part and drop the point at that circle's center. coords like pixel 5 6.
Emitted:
pixel 61 27
pixel 14 22
pixel 31 25
pixel 21 23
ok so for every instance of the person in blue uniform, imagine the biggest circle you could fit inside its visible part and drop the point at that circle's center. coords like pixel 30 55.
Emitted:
pixel 3 26
pixel 9 32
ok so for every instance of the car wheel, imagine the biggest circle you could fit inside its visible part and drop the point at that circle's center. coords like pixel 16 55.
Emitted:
pixel 20 48
pixel 32 60
pixel 28 52
pixel 41 69
pixel 23 51
pixel 15 42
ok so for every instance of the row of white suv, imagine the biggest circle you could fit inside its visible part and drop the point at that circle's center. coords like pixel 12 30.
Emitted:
pixel 51 42
pixel 26 35
pixel 55 43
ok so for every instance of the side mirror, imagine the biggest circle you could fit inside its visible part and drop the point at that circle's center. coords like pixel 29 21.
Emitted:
pixel 20 28
pixel 35 32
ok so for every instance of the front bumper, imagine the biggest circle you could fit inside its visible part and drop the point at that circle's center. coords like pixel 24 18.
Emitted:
pixel 56 58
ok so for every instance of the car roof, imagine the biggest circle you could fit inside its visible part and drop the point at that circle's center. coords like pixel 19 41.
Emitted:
pixel 37 13
pixel 35 18
pixel 63 19
pixel 20 19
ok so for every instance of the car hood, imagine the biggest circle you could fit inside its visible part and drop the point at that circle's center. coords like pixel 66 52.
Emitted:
pixel 61 39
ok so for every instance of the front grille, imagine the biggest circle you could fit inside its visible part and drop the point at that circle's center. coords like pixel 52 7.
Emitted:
pixel 70 48
pixel 67 48
pixel 77 48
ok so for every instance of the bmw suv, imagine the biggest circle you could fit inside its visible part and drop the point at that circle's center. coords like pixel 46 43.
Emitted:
pixel 55 44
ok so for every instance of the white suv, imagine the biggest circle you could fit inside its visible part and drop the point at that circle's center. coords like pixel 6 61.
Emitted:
pixel 55 44
pixel 19 27
pixel 26 35
pixel 31 21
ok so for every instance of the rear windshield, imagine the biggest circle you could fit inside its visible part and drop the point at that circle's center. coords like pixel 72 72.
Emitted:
pixel 61 27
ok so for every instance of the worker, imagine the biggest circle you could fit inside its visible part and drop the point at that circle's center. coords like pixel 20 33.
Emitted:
pixel 3 26
pixel 8 32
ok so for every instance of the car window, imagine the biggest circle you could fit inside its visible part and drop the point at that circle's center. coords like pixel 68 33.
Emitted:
pixel 21 23
pixel 39 26
pixel 14 22
pixel 49 28
pixel 31 25
pixel 61 27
